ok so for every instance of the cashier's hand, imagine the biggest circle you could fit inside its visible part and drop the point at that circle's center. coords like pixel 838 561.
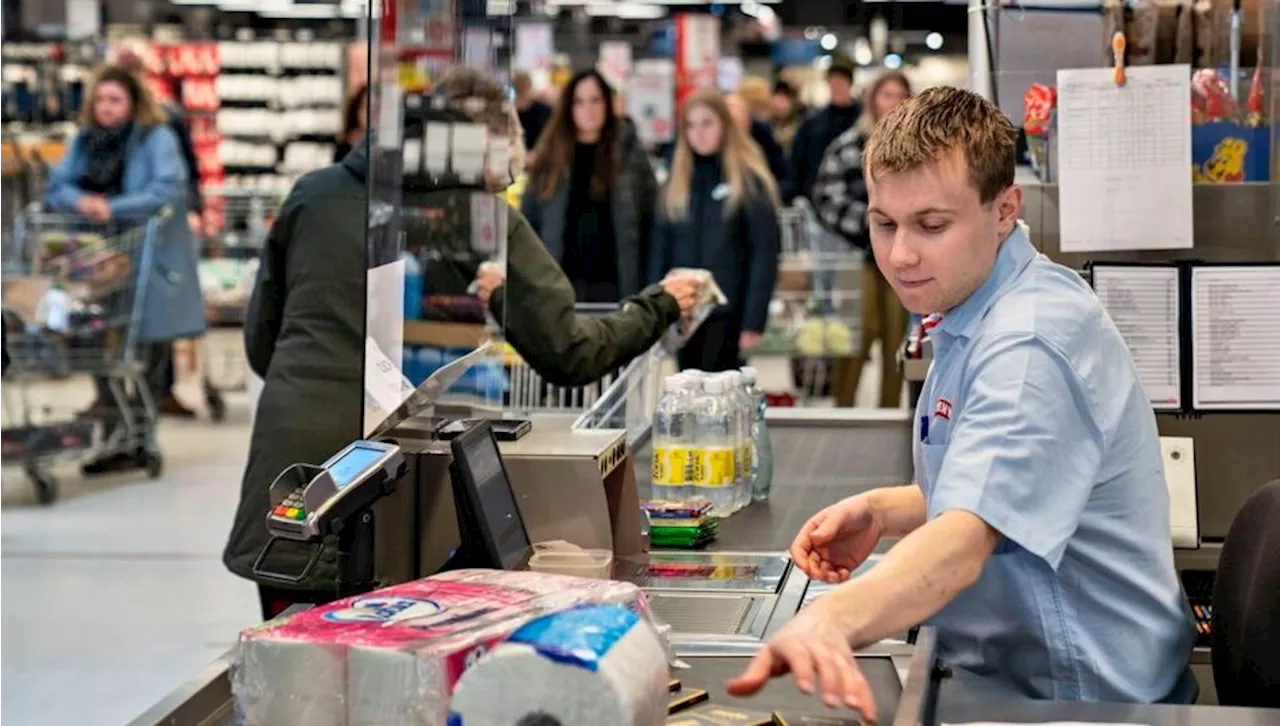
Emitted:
pixel 817 654
pixel 836 540
pixel 488 278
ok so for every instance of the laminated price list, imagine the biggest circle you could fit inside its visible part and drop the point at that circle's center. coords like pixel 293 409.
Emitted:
pixel 1143 302
pixel 1236 337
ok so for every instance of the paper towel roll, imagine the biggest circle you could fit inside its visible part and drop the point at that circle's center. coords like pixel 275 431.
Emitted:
pixel 290 683
pixel 596 664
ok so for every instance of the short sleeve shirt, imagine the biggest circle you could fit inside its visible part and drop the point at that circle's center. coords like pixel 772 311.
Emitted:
pixel 1033 418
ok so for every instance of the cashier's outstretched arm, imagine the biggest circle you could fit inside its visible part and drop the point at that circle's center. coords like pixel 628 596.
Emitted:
pixel 918 577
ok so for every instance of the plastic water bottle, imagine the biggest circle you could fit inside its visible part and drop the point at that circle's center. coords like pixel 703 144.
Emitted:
pixel 742 417
pixel 672 441
pixel 762 448
pixel 713 457
pixel 413 286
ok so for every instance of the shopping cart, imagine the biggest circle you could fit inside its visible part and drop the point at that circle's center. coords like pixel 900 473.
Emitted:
pixel 239 222
pixel 813 319
pixel 86 322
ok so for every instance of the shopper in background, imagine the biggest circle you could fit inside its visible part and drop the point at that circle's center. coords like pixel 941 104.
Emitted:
pixel 755 91
pixel 759 132
pixel 786 112
pixel 122 167
pixel 534 114
pixel 822 127
pixel 132 56
pixel 591 193
pixel 305 325
pixel 840 201
pixel 719 212
pixel 355 122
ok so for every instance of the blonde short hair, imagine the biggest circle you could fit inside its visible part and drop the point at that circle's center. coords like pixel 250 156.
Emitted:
pixel 927 126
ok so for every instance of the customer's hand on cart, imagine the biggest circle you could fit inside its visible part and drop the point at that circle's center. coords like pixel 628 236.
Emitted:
pixel 813 649
pixel 94 208
pixel 837 539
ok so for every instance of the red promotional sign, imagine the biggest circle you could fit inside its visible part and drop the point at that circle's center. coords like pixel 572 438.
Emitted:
pixel 697 53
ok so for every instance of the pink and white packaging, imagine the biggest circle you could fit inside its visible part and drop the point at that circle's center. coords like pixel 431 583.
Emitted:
pixel 393 656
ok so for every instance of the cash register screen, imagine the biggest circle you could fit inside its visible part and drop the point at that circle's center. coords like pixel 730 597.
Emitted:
pixel 352 464
pixel 477 453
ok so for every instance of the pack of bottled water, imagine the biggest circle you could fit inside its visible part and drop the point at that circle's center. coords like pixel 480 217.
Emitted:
pixel 710 441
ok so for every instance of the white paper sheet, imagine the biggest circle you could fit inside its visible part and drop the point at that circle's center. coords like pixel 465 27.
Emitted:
pixel 1235 337
pixel 1143 304
pixel 1124 159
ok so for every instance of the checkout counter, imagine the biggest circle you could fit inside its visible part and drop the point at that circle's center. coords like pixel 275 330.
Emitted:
pixel 574 483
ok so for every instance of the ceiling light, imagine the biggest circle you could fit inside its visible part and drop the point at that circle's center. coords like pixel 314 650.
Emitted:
pixel 933 41
pixel 893 61
pixel 830 41
pixel 862 52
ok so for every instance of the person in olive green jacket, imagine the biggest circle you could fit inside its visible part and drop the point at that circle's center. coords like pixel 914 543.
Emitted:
pixel 305 330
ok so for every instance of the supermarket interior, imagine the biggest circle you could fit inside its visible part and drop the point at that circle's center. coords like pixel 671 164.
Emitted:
pixel 910 362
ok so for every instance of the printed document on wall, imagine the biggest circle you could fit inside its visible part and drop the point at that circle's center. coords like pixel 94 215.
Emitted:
pixel 1124 170
pixel 1234 337
pixel 1144 304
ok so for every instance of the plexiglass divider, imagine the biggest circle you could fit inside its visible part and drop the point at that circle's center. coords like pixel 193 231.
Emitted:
pixel 441 125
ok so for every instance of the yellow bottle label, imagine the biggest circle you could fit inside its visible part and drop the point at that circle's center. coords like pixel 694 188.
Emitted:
pixel 716 468
pixel 659 475
pixel 678 467
pixel 700 468
pixel 670 467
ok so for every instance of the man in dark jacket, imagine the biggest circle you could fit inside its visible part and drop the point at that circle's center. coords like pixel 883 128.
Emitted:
pixel 305 336
pixel 761 133
pixel 821 128
pixel 534 114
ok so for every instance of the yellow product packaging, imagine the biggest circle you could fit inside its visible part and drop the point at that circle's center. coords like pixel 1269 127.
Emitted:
pixel 670 467
pixel 713 467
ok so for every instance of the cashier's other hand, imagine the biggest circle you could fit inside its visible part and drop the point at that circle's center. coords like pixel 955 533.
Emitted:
pixel 488 278
pixel 684 288
pixel 817 655
pixel 836 540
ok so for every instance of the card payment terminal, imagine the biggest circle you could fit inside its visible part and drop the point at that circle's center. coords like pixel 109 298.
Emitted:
pixel 306 500
pixel 309 503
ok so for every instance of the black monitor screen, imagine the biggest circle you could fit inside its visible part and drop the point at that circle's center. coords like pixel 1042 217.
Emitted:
pixel 477 454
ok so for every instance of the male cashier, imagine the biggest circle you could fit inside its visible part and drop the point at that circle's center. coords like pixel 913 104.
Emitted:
pixel 1036 537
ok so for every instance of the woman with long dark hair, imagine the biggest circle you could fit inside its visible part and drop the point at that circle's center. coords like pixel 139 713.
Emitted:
pixel 719 212
pixel 590 193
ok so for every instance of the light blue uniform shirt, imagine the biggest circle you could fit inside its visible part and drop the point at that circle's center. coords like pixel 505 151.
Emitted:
pixel 1033 418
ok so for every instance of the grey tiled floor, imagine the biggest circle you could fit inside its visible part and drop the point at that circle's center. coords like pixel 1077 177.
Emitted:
pixel 115 595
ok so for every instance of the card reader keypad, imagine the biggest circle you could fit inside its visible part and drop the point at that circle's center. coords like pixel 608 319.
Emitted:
pixel 291 508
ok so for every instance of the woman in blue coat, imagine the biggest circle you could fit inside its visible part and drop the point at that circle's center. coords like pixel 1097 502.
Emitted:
pixel 123 167
pixel 719 212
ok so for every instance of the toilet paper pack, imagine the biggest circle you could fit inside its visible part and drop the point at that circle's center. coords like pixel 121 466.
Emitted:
pixel 393 656
pixel 593 664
